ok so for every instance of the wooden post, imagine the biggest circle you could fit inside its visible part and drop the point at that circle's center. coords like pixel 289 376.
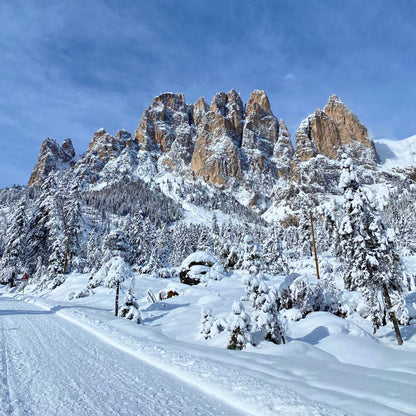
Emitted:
pixel 314 246
pixel 393 318
pixel 66 254
pixel 117 295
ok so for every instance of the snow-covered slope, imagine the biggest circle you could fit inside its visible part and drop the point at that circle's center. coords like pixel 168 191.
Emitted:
pixel 397 154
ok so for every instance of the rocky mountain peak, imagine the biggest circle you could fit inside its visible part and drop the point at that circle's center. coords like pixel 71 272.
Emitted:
pixel 123 135
pixel 100 132
pixel 258 99
pixel 160 121
pixel 352 133
pixel 261 130
pixel 332 131
pixel 52 157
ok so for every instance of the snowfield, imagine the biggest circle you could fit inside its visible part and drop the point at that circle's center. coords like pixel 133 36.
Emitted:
pixel 66 357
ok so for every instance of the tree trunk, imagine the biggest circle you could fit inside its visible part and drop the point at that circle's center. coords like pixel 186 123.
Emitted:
pixel 314 246
pixel 117 295
pixel 392 314
pixel 66 254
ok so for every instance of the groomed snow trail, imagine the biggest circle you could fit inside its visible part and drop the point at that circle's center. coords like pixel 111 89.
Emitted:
pixel 49 366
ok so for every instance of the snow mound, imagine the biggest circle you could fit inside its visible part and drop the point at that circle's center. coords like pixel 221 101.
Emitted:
pixel 203 258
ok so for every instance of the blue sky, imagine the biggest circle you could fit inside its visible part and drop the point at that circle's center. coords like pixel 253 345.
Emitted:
pixel 69 68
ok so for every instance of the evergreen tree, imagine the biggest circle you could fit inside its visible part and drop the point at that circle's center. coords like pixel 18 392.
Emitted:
pixel 14 255
pixel 73 224
pixel 160 252
pixel 56 238
pixel 251 260
pixel 272 255
pixel 204 241
pixel 266 316
pixel 214 225
pixel 94 254
pixel 373 264
pixel 238 324
pixel 130 309
pixel 207 321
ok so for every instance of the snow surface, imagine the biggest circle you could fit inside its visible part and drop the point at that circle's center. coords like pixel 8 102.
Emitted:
pixel 330 366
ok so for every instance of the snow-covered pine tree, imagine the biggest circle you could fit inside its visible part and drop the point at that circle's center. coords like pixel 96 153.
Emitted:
pixel 326 230
pixel 372 262
pixel 37 235
pixel 266 314
pixel 399 214
pixel 94 255
pixel 75 255
pixel 145 242
pixel 214 224
pixel 56 237
pixel 115 271
pixel 238 324
pixel 133 228
pixel 130 309
pixel 272 255
pixel 251 260
pixel 161 250
pixel 204 242
pixel 116 244
pixel 14 255
pixel 207 321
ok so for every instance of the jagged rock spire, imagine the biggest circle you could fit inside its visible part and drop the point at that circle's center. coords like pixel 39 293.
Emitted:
pixel 51 157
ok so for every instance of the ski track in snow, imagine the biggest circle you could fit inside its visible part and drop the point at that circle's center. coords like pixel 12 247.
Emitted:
pixel 98 356
pixel 50 366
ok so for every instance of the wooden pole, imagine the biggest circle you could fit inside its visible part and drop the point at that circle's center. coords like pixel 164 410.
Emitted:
pixel 314 246
pixel 117 295
pixel 393 318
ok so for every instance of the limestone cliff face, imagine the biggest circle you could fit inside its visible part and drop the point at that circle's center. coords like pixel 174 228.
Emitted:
pixel 220 143
pixel 218 138
pixel 261 130
pixel 332 132
pixel 352 133
pixel 52 157
pixel 166 127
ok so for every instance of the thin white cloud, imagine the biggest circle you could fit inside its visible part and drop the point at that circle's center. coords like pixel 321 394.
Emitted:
pixel 290 76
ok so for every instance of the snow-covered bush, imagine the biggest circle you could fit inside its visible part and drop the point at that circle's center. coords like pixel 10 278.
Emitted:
pixel 6 274
pixel 56 281
pixel 296 292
